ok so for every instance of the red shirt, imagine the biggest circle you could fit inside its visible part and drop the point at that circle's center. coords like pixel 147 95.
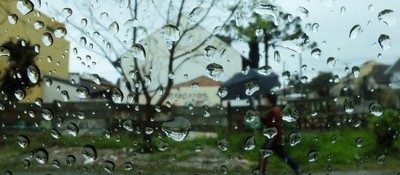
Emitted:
pixel 274 119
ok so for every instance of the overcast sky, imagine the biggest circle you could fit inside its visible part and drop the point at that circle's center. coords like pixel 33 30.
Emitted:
pixel 335 19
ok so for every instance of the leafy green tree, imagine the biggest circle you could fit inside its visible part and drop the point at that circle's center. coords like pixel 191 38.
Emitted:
pixel 15 76
pixel 321 84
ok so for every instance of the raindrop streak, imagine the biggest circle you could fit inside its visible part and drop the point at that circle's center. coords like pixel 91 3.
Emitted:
pixel 109 166
pixel 355 31
pixel 215 71
pixel 250 143
pixel 116 95
pixel 4 52
pixel 23 141
pixel 33 74
pixel 12 19
pixel 24 6
pixel 41 156
pixel 384 42
pixel 176 128
pixel 196 15
pixel 388 17
pixel 170 33
pixel 138 52
pixel 47 39
pixel 89 153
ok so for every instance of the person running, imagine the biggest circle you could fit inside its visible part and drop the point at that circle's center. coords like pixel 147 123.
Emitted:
pixel 274 119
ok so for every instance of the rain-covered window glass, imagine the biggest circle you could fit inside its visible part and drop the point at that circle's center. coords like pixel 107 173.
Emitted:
pixel 199 87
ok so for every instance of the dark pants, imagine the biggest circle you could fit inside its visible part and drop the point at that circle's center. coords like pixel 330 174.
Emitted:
pixel 277 149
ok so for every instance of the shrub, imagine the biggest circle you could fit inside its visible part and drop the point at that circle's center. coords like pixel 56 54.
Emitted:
pixel 386 128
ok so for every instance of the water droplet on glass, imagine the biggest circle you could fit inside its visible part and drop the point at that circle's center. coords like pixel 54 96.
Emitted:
pixel 170 33
pixel 206 111
pixel 196 15
pixel 266 153
pixel 128 125
pixel 215 71
pixel 313 156
pixel 162 146
pixel 47 39
pixel 316 53
pixel 359 142
pixel 12 19
pixel 381 158
pixel 23 141
pixel 289 113
pixel 38 25
pixel 376 109
pixel 124 3
pixel 89 153
pixel 331 62
pixel 355 31
pixel 251 88
pixel 239 19
pixel 160 90
pixel 356 71
pixel 267 9
pixel 130 23
pixel 24 6
pixel 250 143
pixel 116 95
pixel 4 52
pixel 27 164
pixel 348 106
pixel 60 32
pixel 47 114
pixel 70 160
pixel 65 95
pixel 56 164
pixel 222 92
pixel 198 148
pixel 113 27
pixel 128 166
pixel 388 17
pixel 250 116
pixel 384 42
pixel 48 82
pixel 286 75
pixel 66 12
pixel 20 94
pixel 33 73
pixel 148 130
pixel 138 52
pixel 55 134
pixel 176 128
pixel 223 144
pixel 41 156
pixel 72 129
pixel 343 10
pixel 259 32
pixel 270 132
pixel 210 51
pixel 265 70
pixel 294 138
pixel 303 12
pixel 109 166
pixel 82 92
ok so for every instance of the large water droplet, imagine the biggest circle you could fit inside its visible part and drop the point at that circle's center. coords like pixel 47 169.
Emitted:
pixel 23 141
pixel 331 62
pixel 250 143
pixel 47 114
pixel 270 132
pixel 289 113
pixel 356 71
pixel 33 73
pixel 222 92
pixel 170 33
pixel 70 160
pixel 60 32
pixel 4 52
pixel 176 128
pixel 384 42
pixel 116 95
pixel 41 156
pixel 56 164
pixel 109 166
pixel 55 134
pixel 113 27
pixel 65 95
pixel 89 153
pixel 128 125
pixel 196 15
pixel 251 88
pixel 82 92
pixel 72 129
pixel 313 156
pixel 355 31
pixel 20 94
pixel 47 39
pixel 128 166
pixel 265 70
pixel 388 17
pixel 66 12
pixel 24 6
pixel 294 138
pixel 138 52
pixel 210 51
pixel 38 25
pixel 12 19
pixel 376 109
pixel 215 71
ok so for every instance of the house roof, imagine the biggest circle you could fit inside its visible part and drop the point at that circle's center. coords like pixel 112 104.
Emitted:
pixel 378 74
pixel 92 87
pixel 394 68
pixel 202 81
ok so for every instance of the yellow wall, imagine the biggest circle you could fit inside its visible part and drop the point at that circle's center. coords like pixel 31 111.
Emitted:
pixel 24 29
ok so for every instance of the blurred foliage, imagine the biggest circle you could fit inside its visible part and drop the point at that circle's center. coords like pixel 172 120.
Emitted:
pixel 321 83
pixel 22 55
pixel 386 129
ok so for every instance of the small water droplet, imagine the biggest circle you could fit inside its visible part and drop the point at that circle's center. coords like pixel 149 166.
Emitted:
pixel 376 109
pixel 294 138
pixel 210 51
pixel 56 164
pixel 384 42
pixel 239 19
pixel 47 39
pixel 289 113
pixel 23 141
pixel 313 156
pixel 60 32
pixel 4 52
pixel 12 19
pixel 128 166
pixel 66 12
pixel 41 156
pixel 348 106
pixel 162 146
pixel 251 88
pixel 355 31
pixel 170 33
pixel 27 164
pixel 265 70
pixel 381 158
pixel 222 92
pixel 109 166
pixel 270 132
pixel 33 74
pixel 70 160
pixel 215 71
pixel 196 15
pixel 250 143
pixel 356 71
pixel 47 114
pixel 176 128
pixel 55 134
pixel 20 94
pixel 359 142
pixel 72 129
pixel 128 125
pixel 138 52
pixel 82 92
pixel 223 144
pixel 331 62
pixel 266 153
pixel 89 153
pixel 388 17
pixel 116 95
